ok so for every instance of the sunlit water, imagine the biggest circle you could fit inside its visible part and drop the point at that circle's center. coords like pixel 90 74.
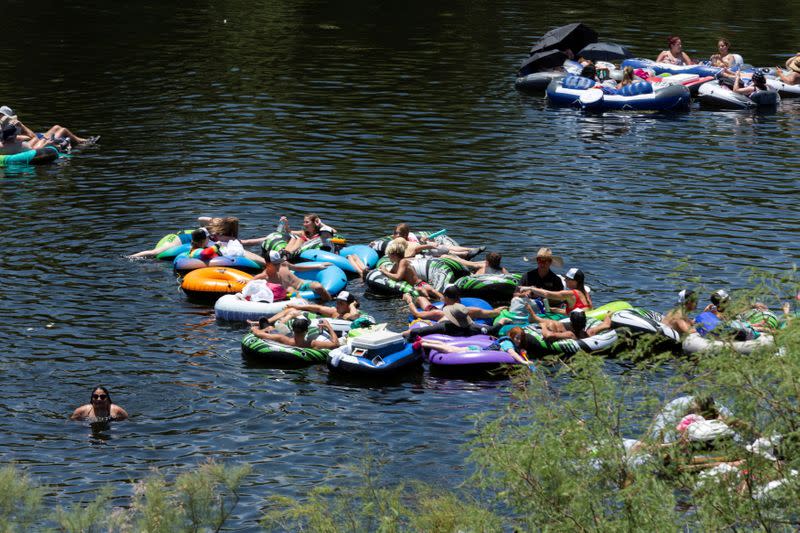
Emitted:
pixel 368 115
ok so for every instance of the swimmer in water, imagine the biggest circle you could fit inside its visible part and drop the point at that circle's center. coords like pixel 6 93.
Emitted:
pixel 99 407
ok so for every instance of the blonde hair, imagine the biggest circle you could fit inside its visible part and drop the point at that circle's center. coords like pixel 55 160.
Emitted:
pixel 227 226
pixel 397 246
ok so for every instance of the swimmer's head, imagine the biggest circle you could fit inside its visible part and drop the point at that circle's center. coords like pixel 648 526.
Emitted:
pixel 100 395
pixel 577 320
pixel 301 324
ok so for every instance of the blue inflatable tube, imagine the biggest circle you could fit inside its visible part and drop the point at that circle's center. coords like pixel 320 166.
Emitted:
pixel 175 251
pixel 367 255
pixel 666 68
pixel 332 278
pixel 468 302
pixel 576 91
pixel 184 264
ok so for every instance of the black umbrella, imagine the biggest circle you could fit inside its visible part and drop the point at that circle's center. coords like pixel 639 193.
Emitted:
pixel 542 61
pixel 604 52
pixel 573 36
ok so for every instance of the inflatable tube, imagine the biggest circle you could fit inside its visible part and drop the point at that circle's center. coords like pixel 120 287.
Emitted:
pixel 438 272
pixel 206 285
pixel 367 255
pixel 38 156
pixel 696 343
pixel 439 237
pixel 332 278
pixel 784 89
pixel 611 307
pixel 495 288
pixel 278 241
pixel 603 341
pixel 714 95
pixel 538 81
pixel 231 308
pixel 476 358
pixel 667 68
pixel 633 323
pixel 380 353
pixel 576 91
pixel 340 326
pixel 183 264
pixel 280 355
pixel 597 314
pixel 466 301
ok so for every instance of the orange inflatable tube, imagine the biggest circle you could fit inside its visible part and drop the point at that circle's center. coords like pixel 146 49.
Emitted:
pixel 208 284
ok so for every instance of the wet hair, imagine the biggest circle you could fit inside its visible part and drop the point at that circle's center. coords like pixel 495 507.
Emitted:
pixel 672 40
pixel 199 237
pixel 577 321
pixel 452 292
pixel 725 41
pixel 493 259
pixel 105 390
pixel 300 324
pixel 759 80
pixel 403 230
pixel 589 71
pixel 227 226
pixel 397 247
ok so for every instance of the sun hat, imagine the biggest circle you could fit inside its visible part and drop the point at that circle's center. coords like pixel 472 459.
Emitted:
pixel 275 257
pixel 547 253
pixel 457 314
pixel 793 63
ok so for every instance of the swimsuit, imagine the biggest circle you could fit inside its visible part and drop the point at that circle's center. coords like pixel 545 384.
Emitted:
pixel 578 302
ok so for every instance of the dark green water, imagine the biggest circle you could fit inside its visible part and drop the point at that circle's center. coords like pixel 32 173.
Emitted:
pixel 369 114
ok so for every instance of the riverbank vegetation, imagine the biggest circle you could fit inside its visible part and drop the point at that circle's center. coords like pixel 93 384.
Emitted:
pixel 556 458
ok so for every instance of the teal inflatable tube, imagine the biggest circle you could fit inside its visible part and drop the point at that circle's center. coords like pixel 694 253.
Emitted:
pixel 30 157
pixel 332 278
pixel 367 255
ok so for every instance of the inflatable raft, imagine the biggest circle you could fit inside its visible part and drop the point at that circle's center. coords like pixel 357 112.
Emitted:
pixel 277 355
pixel 696 343
pixel 633 323
pixel 233 308
pixel 439 237
pixel 183 263
pixel 494 288
pixel 479 355
pixel 603 341
pixel 439 272
pixel 38 156
pixel 668 68
pixel 713 94
pixel 576 91
pixel 375 354
pixel 207 284
pixel 317 250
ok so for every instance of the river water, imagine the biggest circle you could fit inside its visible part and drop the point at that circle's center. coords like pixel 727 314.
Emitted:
pixel 368 114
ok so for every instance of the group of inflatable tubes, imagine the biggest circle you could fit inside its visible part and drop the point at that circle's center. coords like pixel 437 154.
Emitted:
pixel 666 87
pixel 370 350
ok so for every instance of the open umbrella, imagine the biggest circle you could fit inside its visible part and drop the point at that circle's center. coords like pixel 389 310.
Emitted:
pixel 604 52
pixel 573 36
pixel 542 61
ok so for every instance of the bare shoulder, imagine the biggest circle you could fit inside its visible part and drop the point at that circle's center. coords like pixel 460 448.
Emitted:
pixel 84 411
pixel 118 412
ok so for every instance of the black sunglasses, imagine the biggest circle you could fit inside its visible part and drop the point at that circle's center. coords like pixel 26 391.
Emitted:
pixel 99 396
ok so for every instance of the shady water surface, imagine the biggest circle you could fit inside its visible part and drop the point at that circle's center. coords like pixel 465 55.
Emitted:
pixel 368 114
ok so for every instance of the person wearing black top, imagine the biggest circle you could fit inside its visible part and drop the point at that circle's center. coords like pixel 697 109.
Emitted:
pixel 542 276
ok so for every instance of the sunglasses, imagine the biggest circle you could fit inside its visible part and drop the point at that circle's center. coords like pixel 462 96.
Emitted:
pixel 99 396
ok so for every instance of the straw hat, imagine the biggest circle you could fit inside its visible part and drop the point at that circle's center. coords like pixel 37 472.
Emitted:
pixel 547 253
pixel 793 63
pixel 457 314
